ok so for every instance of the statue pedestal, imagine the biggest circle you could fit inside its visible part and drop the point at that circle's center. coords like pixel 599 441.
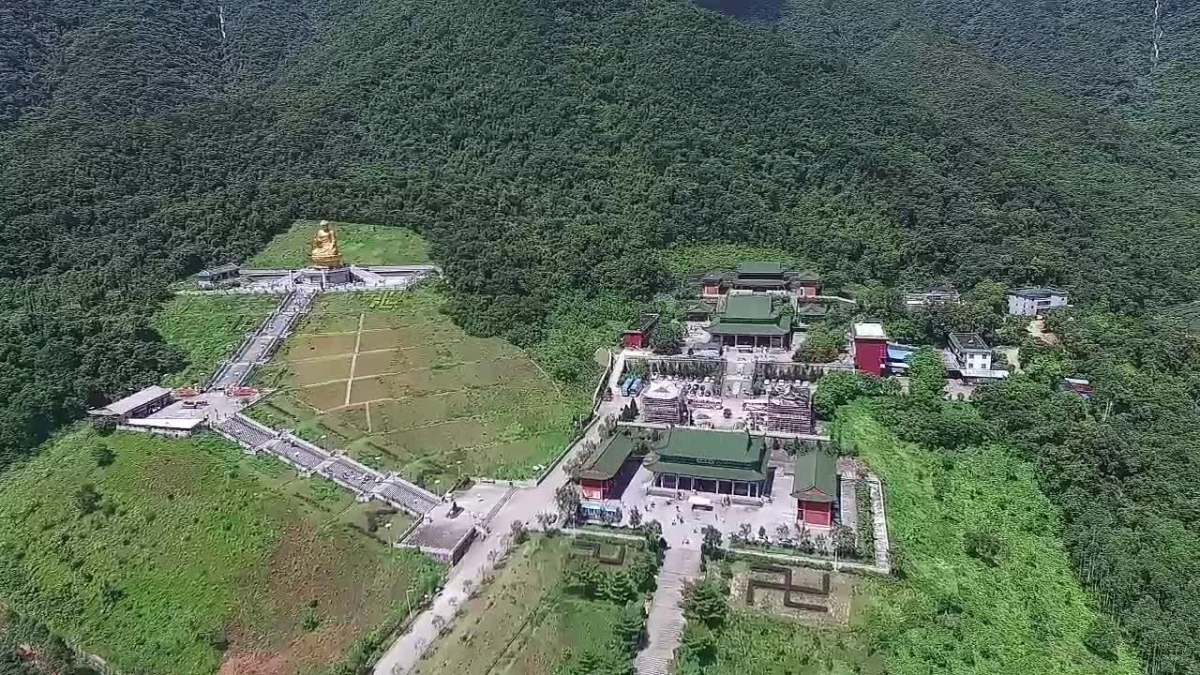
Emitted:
pixel 321 276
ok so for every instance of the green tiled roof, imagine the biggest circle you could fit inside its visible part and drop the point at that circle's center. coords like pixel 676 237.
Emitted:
pixel 703 445
pixel 700 307
pixel 760 283
pixel 712 454
pixel 608 462
pixel 812 309
pixel 723 455
pixel 815 479
pixel 751 307
pixel 752 315
pixel 711 472
pixel 723 327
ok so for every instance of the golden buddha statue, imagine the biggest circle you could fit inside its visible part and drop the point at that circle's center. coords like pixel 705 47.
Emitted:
pixel 325 252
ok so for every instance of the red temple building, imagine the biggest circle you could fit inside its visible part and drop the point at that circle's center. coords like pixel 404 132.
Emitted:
pixel 639 338
pixel 806 284
pixel 868 345
pixel 814 486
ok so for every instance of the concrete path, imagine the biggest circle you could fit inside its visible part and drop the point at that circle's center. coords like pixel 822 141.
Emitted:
pixel 664 628
pixel 849 501
pixel 883 545
pixel 523 505
pixel 260 346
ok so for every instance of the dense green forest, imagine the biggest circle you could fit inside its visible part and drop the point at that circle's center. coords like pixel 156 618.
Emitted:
pixel 554 150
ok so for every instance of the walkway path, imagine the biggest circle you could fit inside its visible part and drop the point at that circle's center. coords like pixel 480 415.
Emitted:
pixel 262 344
pixel 523 505
pixel 664 628
pixel 308 458
pixel 879 523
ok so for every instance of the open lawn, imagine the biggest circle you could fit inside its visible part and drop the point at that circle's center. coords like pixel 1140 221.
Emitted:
pixel 361 245
pixel 187 557
pixel 523 623
pixel 396 384
pixel 207 328
pixel 985 584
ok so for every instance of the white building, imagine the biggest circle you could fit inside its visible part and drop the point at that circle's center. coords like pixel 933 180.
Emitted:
pixel 1035 300
pixel 970 351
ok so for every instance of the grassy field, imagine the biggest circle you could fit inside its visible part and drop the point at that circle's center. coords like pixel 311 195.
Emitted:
pixel 395 383
pixel 986 585
pixel 187 557
pixel 207 328
pixel 522 623
pixel 361 245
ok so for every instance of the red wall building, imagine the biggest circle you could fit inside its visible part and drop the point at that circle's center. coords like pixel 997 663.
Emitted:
pixel 807 288
pixel 815 486
pixel 591 488
pixel 869 347
pixel 814 514
pixel 640 337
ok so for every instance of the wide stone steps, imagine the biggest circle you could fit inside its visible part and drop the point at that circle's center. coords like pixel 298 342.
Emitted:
pixel 664 626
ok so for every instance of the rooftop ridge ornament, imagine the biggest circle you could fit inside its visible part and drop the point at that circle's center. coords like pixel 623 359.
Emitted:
pixel 325 252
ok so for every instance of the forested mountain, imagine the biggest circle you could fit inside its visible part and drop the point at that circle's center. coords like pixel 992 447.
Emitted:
pixel 1137 60
pixel 548 147
pixel 545 146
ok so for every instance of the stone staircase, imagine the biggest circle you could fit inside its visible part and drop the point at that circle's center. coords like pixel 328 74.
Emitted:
pixel 879 522
pixel 848 507
pixel 664 627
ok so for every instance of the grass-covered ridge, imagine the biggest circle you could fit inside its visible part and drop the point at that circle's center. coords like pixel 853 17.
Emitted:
pixel 361 244
pixel 985 583
pixel 173 556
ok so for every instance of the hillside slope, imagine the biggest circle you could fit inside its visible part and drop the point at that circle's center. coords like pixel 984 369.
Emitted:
pixel 552 149
pixel 544 147
pixel 1138 60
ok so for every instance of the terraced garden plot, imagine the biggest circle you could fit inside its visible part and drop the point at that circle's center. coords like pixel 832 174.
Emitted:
pixel 320 370
pixel 424 398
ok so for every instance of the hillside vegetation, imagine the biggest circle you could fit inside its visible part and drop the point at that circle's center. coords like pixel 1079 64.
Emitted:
pixel 542 147
pixel 174 556
pixel 563 157
pixel 985 583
